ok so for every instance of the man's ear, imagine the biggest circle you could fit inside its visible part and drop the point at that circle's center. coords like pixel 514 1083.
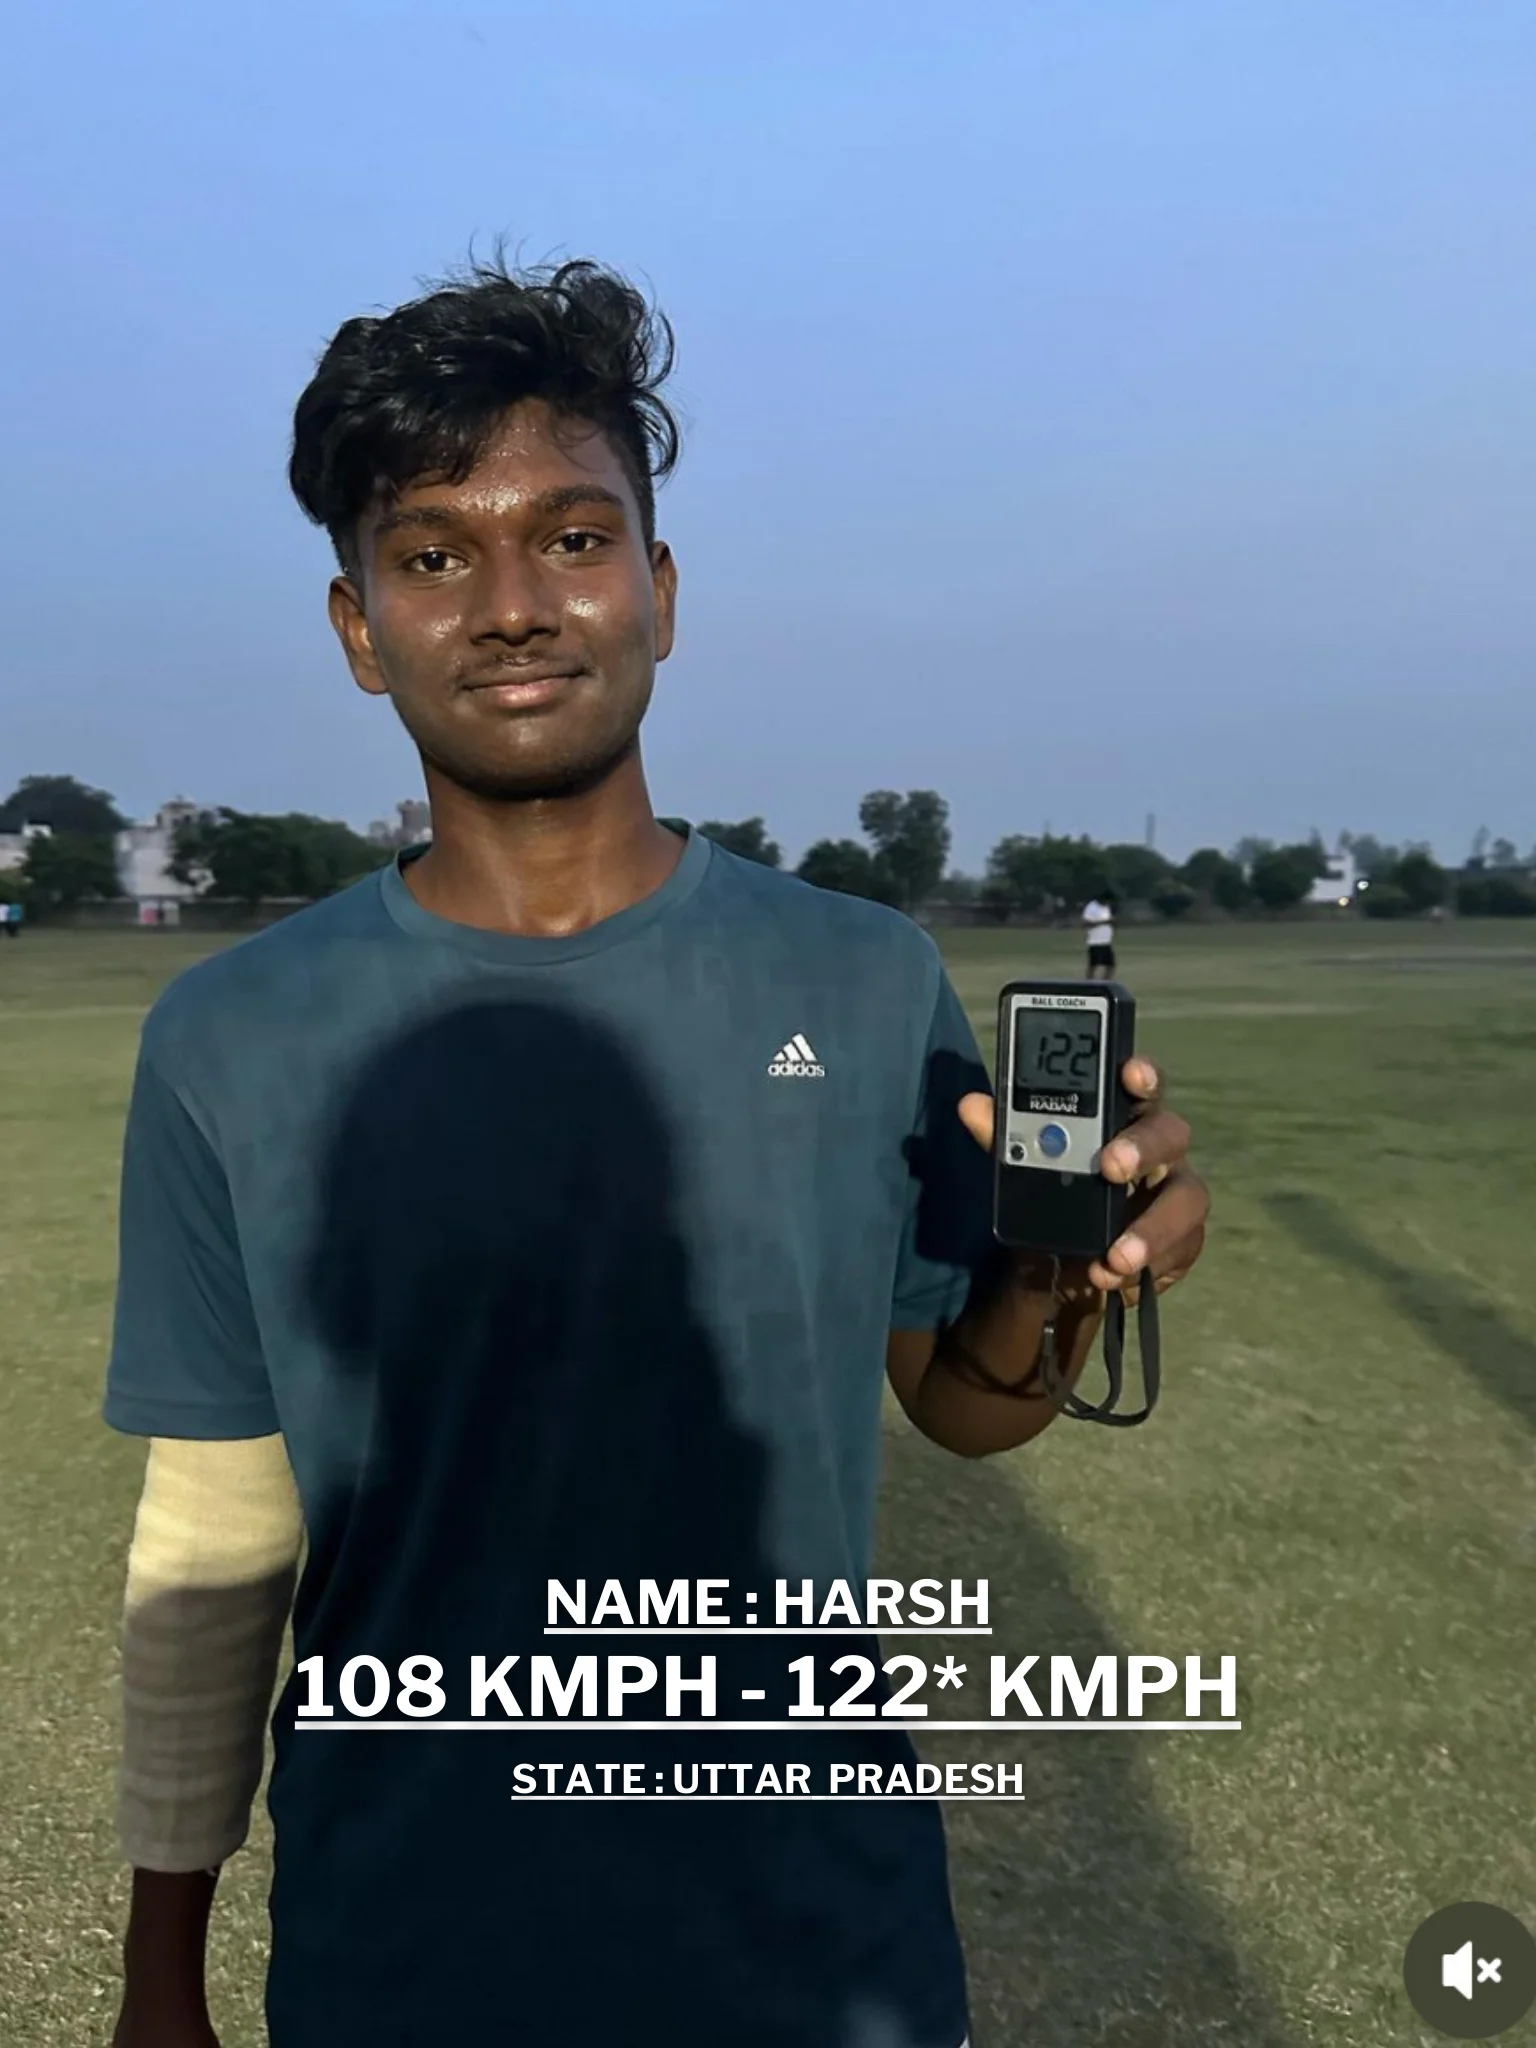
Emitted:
pixel 351 625
pixel 664 583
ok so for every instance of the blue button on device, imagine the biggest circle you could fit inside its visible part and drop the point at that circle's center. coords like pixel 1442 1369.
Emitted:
pixel 1054 1141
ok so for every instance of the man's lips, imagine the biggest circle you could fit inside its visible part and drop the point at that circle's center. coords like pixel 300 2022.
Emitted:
pixel 509 684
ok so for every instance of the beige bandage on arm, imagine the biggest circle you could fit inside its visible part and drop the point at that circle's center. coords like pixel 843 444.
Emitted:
pixel 211 1574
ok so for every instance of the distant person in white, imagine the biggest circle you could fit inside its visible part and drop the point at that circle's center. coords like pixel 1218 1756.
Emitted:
pixel 1099 921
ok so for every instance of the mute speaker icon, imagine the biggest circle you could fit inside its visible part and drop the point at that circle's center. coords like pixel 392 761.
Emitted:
pixel 1456 1970
pixel 1470 1970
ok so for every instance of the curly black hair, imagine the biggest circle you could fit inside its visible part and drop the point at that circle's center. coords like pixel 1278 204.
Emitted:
pixel 417 392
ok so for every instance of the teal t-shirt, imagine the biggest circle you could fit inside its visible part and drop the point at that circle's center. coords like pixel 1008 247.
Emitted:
pixel 561 1259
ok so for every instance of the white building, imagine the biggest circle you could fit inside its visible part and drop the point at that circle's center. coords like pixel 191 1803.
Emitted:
pixel 1337 883
pixel 144 855
pixel 412 825
pixel 13 845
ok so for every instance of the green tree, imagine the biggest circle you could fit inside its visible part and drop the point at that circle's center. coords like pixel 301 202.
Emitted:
pixel 844 865
pixel 1386 899
pixel 1480 895
pixel 250 858
pixel 1040 876
pixel 1503 855
pixel 65 868
pixel 63 805
pixel 1136 873
pixel 958 888
pixel 1018 876
pixel 1174 899
pixel 995 899
pixel 1373 861
pixel 189 844
pixel 911 838
pixel 1283 876
pixel 1247 851
pixel 1420 878
pixel 749 839
pixel 1218 878
pixel 330 855
pixel 245 858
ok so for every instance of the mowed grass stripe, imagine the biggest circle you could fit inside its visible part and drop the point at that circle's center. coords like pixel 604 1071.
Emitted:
pixel 39 1015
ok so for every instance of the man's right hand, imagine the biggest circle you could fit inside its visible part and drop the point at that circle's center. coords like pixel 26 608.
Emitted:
pixel 164 2003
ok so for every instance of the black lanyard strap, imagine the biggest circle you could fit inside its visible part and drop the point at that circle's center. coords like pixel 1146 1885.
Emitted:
pixel 1149 1338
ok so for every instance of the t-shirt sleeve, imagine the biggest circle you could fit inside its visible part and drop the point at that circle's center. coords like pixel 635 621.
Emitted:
pixel 186 1354
pixel 947 1230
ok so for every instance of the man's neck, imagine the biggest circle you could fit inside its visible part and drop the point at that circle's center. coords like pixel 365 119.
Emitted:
pixel 543 868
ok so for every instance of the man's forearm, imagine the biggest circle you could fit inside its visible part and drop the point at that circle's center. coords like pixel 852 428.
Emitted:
pixel 210 1579
pixel 984 1390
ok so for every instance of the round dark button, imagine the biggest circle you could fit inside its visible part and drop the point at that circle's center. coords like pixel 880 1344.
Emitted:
pixel 1470 1971
pixel 1054 1141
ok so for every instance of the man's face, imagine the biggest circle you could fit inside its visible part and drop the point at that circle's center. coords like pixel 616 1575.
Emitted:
pixel 515 619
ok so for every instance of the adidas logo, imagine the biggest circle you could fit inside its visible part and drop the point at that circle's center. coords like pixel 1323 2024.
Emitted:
pixel 796 1061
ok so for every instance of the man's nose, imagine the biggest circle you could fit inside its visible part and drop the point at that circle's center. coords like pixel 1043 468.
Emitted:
pixel 514 598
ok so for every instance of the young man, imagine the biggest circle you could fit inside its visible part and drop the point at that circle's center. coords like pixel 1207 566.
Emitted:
pixel 550 1206
pixel 1099 924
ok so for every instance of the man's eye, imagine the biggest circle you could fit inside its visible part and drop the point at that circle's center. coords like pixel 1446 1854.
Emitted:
pixel 580 541
pixel 431 561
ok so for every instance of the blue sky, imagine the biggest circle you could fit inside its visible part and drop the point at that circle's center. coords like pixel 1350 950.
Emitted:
pixel 1093 410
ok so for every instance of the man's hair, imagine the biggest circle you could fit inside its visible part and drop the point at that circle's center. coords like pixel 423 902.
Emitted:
pixel 417 392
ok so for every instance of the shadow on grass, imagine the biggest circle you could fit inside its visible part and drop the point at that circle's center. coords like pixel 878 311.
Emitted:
pixel 1500 1358
pixel 1084 1917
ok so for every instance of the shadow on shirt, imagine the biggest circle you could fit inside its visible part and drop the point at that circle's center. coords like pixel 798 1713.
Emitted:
pixel 499 1275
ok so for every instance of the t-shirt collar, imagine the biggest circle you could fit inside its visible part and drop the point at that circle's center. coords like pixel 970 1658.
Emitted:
pixel 513 949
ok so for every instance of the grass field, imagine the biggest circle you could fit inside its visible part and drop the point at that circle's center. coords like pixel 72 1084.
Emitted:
pixel 1339 1488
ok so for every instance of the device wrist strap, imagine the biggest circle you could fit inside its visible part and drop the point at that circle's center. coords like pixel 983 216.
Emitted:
pixel 1147 1330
